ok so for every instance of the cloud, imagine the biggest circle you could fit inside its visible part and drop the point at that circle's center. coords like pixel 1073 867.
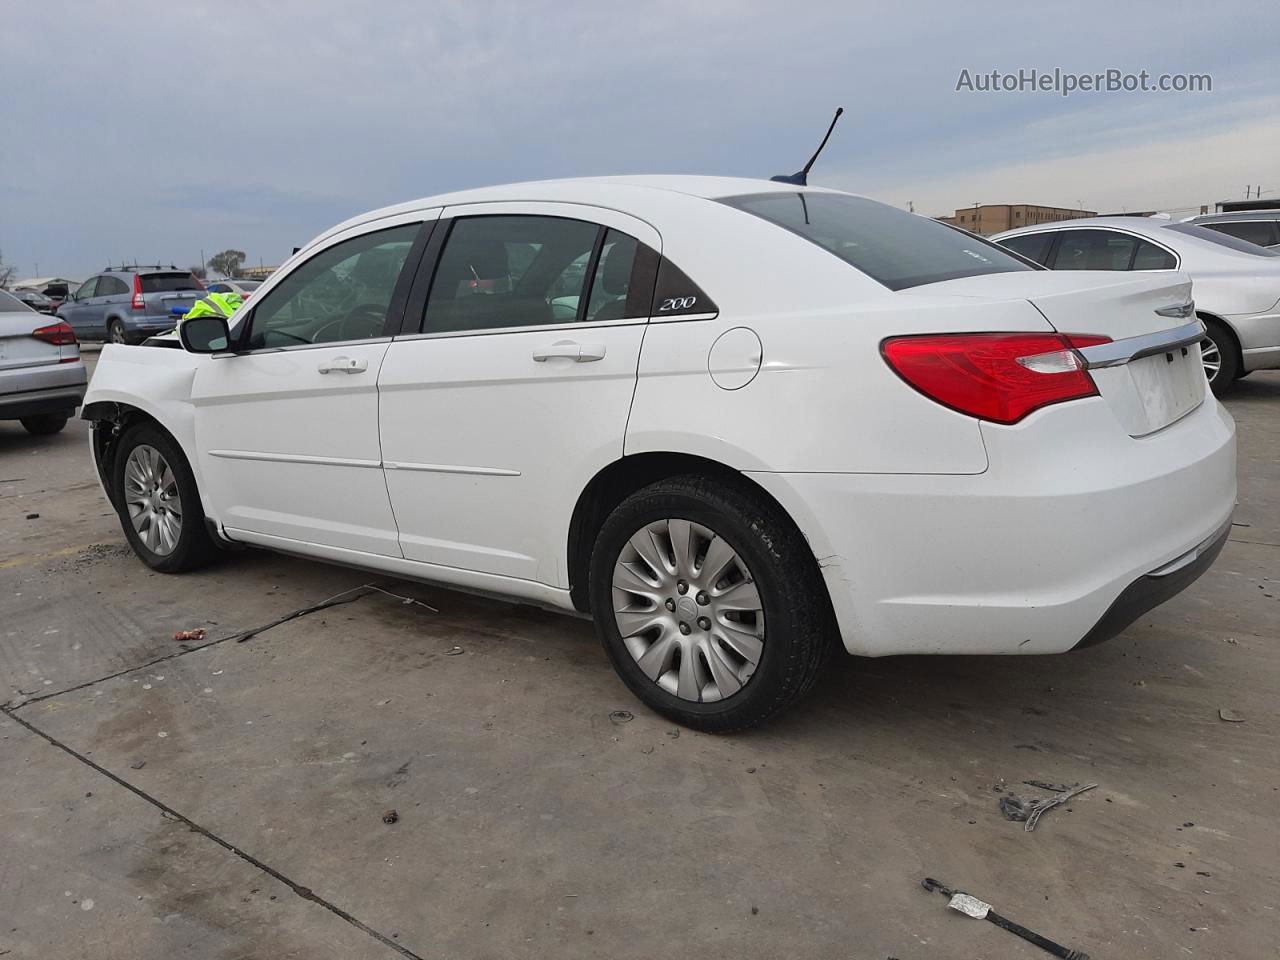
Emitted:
pixel 162 128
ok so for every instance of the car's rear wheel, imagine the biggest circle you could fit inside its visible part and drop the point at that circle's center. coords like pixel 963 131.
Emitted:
pixel 158 504
pixel 709 603
pixel 1218 354
pixel 45 423
pixel 116 332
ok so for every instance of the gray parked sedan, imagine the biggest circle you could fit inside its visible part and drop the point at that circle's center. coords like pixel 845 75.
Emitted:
pixel 42 378
pixel 129 304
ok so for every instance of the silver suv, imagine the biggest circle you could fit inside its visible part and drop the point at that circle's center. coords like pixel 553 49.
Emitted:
pixel 129 304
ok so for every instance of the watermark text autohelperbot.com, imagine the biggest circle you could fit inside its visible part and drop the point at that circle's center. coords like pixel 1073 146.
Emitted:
pixel 1065 83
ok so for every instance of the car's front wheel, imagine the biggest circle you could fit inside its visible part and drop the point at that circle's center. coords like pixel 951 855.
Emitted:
pixel 158 504
pixel 709 602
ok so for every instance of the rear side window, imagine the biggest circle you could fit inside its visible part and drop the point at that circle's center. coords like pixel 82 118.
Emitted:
pixel 896 248
pixel 503 271
pixel 1150 257
pixel 1095 250
pixel 1033 246
pixel 1260 232
pixel 11 304
pixel 111 287
pixel 168 282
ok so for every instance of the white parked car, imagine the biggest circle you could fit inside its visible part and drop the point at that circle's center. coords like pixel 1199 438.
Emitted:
pixel 738 423
pixel 1237 283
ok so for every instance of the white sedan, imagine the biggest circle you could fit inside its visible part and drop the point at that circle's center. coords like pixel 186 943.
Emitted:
pixel 740 424
pixel 1237 283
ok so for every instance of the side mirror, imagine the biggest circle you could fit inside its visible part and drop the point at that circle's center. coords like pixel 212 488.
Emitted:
pixel 204 334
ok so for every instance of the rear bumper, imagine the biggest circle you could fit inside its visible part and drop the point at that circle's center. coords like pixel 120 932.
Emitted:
pixel 33 403
pixel 1148 592
pixel 49 388
pixel 1030 556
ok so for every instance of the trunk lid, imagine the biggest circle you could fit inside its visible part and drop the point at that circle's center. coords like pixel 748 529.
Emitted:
pixel 18 348
pixel 1151 374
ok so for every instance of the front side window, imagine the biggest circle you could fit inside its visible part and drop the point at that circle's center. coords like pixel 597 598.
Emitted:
pixel 341 293
pixel 895 248
pixel 1033 246
pixel 512 271
pixel 1260 232
pixel 87 288
pixel 1095 250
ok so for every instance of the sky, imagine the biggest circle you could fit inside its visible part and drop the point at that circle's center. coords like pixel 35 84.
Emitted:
pixel 153 131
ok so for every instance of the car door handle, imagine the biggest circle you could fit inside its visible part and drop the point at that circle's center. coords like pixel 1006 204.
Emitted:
pixel 343 364
pixel 570 350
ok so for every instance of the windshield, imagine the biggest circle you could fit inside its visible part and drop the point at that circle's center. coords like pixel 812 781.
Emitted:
pixel 1222 239
pixel 167 282
pixel 896 248
pixel 11 304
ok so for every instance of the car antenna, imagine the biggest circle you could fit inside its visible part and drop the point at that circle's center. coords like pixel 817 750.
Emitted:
pixel 801 179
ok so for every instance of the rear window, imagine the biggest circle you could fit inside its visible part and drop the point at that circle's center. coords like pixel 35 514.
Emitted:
pixel 1222 240
pixel 166 282
pixel 893 247
pixel 11 304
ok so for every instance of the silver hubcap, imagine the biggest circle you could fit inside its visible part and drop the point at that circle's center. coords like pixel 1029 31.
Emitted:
pixel 151 496
pixel 1211 356
pixel 117 333
pixel 688 610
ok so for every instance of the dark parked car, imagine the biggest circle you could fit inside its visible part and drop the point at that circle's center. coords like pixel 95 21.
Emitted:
pixel 129 304
pixel 36 300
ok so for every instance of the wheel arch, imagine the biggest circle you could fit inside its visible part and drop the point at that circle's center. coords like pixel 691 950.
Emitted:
pixel 623 477
pixel 1213 318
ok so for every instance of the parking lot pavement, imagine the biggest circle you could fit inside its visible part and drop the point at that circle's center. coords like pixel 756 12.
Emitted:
pixel 228 801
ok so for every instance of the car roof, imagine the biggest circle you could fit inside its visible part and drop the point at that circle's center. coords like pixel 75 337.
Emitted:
pixel 625 193
pixel 1234 215
pixel 1143 225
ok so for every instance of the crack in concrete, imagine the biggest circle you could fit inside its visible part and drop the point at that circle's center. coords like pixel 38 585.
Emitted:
pixel 306 893
pixel 347 596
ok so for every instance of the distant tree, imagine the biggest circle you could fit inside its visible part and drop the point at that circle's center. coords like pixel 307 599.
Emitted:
pixel 200 273
pixel 6 273
pixel 227 262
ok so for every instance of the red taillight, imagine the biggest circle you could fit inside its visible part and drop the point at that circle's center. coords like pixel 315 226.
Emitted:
pixel 1000 377
pixel 138 302
pixel 59 334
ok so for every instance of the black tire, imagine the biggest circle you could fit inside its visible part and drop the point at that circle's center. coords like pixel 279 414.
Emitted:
pixel 800 631
pixel 1228 371
pixel 193 547
pixel 116 333
pixel 45 423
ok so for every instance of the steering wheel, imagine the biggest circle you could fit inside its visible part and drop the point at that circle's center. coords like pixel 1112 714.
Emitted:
pixel 361 322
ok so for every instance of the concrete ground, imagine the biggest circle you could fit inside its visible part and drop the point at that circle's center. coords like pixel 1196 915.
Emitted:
pixel 226 800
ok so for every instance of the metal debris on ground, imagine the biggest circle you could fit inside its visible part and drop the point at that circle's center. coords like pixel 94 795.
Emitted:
pixel 1229 715
pixel 453 651
pixel 621 716
pixel 190 636
pixel 971 906
pixel 1030 811
pixel 390 816
pixel 137 765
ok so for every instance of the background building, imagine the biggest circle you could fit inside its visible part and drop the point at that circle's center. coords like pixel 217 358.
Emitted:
pixel 989 218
